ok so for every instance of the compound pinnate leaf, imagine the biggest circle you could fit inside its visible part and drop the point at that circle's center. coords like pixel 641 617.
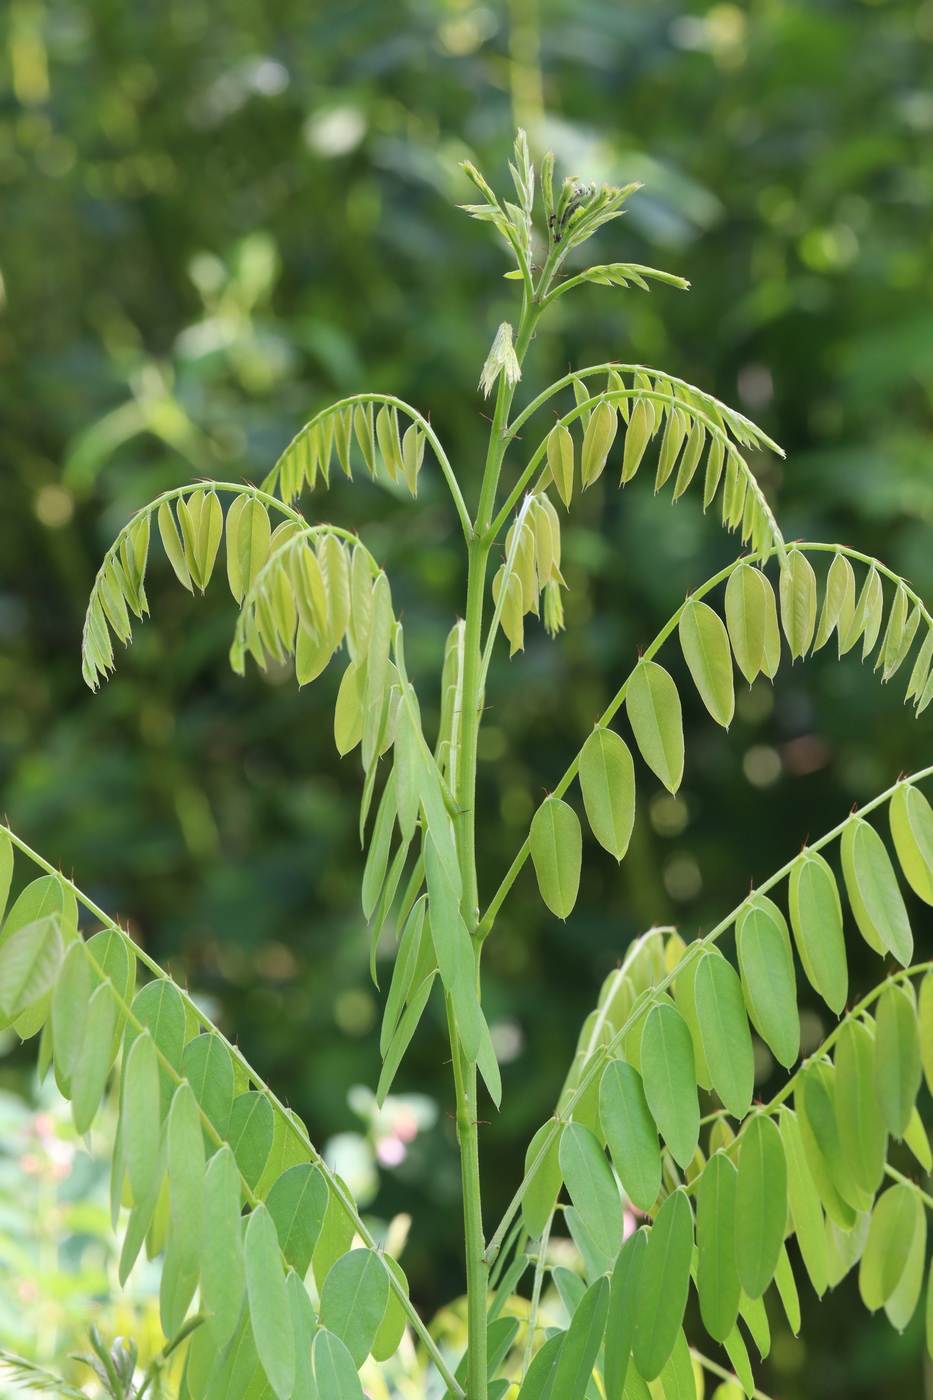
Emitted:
pixel 334 1369
pixel 223 1271
pixel 727 1041
pixel 760 1204
pixel 620 1319
pixel 873 891
pixel 862 1132
pixel 670 1081
pixel 250 1134
pixel 186 1177
pixel 582 1343
pixel 717 1277
pixel 816 918
pixel 665 1278
pixel 705 645
pixel 92 1065
pixel 653 707
pixel 556 849
pixel 798 602
pixel 895 1219
pixel 630 1132
pixel 354 1300
pixel 207 1066
pixel 768 979
pixel 607 781
pixel 591 1185
pixel 912 828
pixel 806 1211
pixel 898 1068
pixel 297 1203
pixel 140 1113
pixel 544 1187
pixel 268 1302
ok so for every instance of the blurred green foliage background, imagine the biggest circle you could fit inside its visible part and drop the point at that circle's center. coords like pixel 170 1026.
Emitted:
pixel 218 215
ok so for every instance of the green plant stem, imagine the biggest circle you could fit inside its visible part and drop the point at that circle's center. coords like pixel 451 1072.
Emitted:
pixel 477 1270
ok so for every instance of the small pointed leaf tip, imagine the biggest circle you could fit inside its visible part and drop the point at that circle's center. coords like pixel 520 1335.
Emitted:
pixel 501 360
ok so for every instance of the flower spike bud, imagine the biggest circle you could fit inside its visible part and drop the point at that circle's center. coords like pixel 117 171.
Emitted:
pixel 500 360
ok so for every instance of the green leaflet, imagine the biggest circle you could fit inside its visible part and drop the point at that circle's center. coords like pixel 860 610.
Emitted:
pixel 916 1139
pixel 408 768
pixel 288 1148
pixel 248 535
pixel 141 1220
pixel 598 437
pixel 911 821
pixel 414 961
pixel 665 1278
pixel 140 1115
pixel 862 1132
pixel 717 1276
pixel 607 781
pixel 670 1082
pixel 844 1248
pixel 787 1289
pixel 556 849
pixel 685 998
pixel 768 979
pixel 816 918
pixel 902 1303
pixel 653 707
pixel 737 1353
pixel 839 603
pixel 250 1134
pixel 392 1327
pixel 582 1343
pixel 348 711
pixel 816 1110
pixel 401 1036
pixel 798 602
pixel 175 1291
pixel 208 1068
pixel 760 1204
pixel 186 1177
pixel 866 619
pixel 746 617
pixel 109 950
pixel 335 1238
pixel 304 1325
pixel 160 1008
pixel 69 1013
pixel 6 868
pixel 897 1057
pixel 92 1065
pixel 539 1382
pixel 631 1133
pixel 926 1028
pixel 354 1300
pixel 223 1270
pixel 544 1187
pixel 705 645
pixel 873 891
pixel 592 1186
pixel 29 963
pixel 268 1302
pixel 620 1319
pixel 334 1371
pixel 806 1211
pixel 297 1203
pixel 379 842
pixel 727 1042
pixel 596 1262
pixel 755 1316
pixel 896 1218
